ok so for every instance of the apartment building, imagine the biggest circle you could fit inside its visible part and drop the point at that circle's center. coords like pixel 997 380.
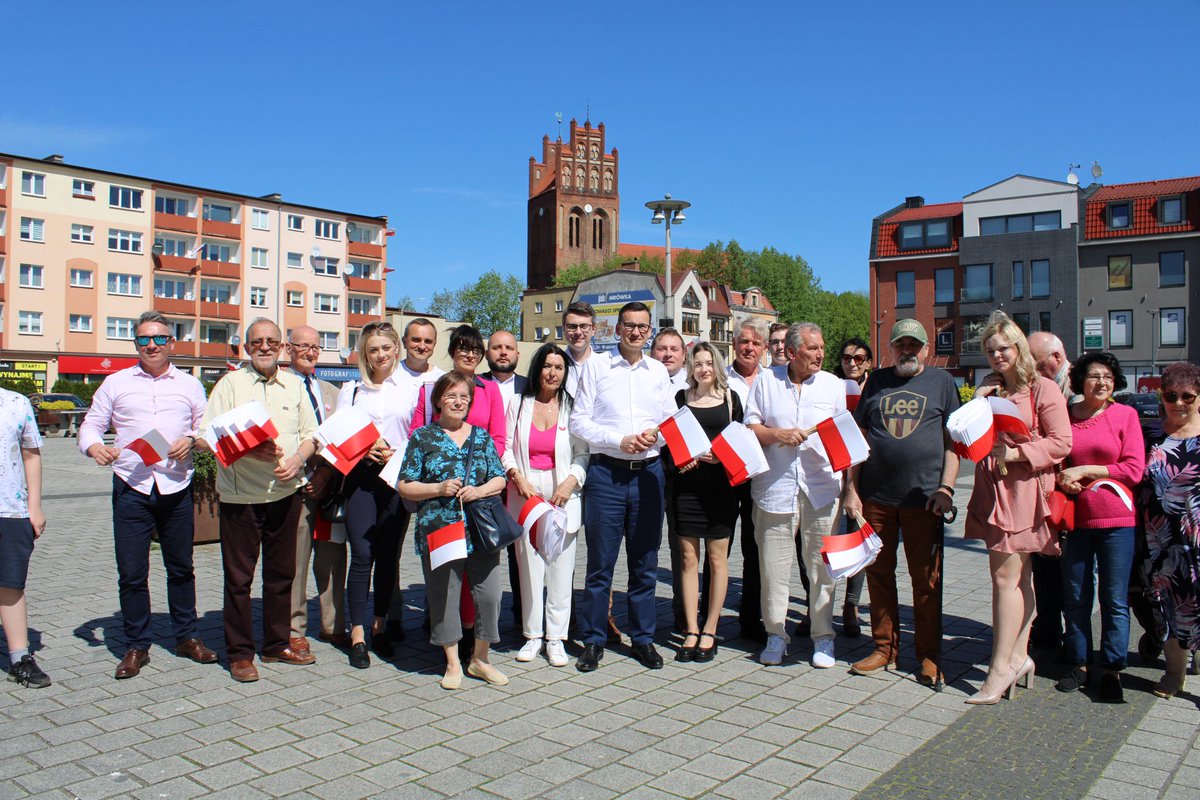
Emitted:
pixel 84 251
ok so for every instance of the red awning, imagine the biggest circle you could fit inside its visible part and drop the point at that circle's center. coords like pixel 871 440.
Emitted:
pixel 93 365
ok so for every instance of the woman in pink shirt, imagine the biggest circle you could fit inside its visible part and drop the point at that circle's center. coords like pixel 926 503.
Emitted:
pixel 1106 445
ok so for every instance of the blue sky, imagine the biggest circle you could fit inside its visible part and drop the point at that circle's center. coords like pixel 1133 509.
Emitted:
pixel 784 124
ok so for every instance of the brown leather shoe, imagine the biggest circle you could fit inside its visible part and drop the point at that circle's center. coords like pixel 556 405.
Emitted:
pixel 131 665
pixel 927 673
pixel 196 651
pixel 335 639
pixel 243 671
pixel 873 663
pixel 299 644
pixel 289 656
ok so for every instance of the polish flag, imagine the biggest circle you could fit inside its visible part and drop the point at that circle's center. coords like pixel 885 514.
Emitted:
pixel 970 429
pixel 738 450
pixel 533 510
pixel 447 544
pixel 853 394
pixel 234 433
pixel 850 553
pixel 1006 418
pixel 151 446
pixel 326 531
pixel 1121 490
pixel 843 441
pixel 346 436
pixel 685 437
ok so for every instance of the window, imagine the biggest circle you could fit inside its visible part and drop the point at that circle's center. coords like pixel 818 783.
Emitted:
pixel 120 328
pixel 325 266
pixel 558 334
pixel 363 234
pixel 120 283
pixel 918 235
pixel 324 229
pixel 295 298
pixel 178 206
pixel 537 307
pixel 573 231
pixel 972 338
pixel 977 284
pixel 1171 327
pixel 326 303
pixel 1120 272
pixel 943 285
pixel 181 330
pixel 361 305
pixel 1020 223
pixel 80 323
pixel 171 289
pixel 362 269
pixel 33 183
pixel 29 322
pixel 1171 269
pixel 1022 320
pixel 124 241
pixel 82 278
pixel 214 333
pixel 84 234
pixel 258 297
pixel 329 340
pixel 1120 329
pixel 260 220
pixel 124 197
pixel 906 289
pixel 1018 280
pixel 174 247
pixel 218 213
pixel 1119 214
pixel 295 260
pixel 1170 210
pixel 258 257
pixel 84 190
pixel 558 306
pixel 33 230
pixel 30 276
pixel 216 252
pixel 352 338
pixel 1044 322
pixel 295 222
pixel 212 292
pixel 1039 278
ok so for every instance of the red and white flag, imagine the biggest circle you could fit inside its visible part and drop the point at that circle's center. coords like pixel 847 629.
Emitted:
pixel 1006 417
pixel 151 447
pixel 233 434
pixel 843 441
pixel 970 429
pixel 533 509
pixel 346 437
pixel 685 437
pixel 738 450
pixel 326 531
pixel 447 544
pixel 853 394
pixel 850 553
pixel 1121 490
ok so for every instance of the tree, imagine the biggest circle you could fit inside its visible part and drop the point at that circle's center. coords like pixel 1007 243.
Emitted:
pixel 491 303
pixel 788 281
pixel 842 316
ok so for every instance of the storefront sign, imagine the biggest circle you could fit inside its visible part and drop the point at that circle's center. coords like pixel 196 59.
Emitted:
pixel 32 370
pixel 337 374
pixel 93 365
pixel 1093 333
pixel 606 305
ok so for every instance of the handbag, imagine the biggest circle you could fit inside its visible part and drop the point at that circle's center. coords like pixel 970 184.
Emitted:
pixel 488 522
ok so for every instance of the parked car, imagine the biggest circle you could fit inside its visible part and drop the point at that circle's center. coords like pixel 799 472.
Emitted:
pixel 1148 406
pixel 53 413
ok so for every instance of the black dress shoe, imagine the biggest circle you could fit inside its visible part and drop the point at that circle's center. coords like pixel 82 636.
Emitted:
pixel 1110 688
pixel 1073 681
pixel 686 653
pixel 395 630
pixel 381 643
pixel 647 655
pixel 704 655
pixel 359 657
pixel 589 659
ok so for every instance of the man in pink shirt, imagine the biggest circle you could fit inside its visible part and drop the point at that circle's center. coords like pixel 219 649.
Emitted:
pixel 152 396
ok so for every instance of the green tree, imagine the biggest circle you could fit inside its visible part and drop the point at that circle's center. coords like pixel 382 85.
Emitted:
pixel 491 303
pixel 842 316
pixel 724 264
pixel 788 281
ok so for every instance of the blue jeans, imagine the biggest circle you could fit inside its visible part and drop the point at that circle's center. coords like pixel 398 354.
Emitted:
pixel 1111 550
pixel 621 504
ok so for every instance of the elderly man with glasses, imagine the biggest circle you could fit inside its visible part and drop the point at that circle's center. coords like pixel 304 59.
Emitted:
pixel 151 396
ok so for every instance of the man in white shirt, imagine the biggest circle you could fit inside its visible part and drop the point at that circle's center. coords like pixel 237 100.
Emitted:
pixel 578 324
pixel 623 397
pixel 669 349
pixel 799 492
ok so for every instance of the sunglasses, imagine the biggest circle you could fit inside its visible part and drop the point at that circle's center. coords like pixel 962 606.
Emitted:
pixel 848 359
pixel 377 326
pixel 144 341
pixel 1174 397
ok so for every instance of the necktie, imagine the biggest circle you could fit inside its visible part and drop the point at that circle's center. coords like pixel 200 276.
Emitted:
pixel 316 406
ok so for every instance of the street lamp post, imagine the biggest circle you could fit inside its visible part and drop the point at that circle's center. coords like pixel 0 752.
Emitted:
pixel 670 212
pixel 879 341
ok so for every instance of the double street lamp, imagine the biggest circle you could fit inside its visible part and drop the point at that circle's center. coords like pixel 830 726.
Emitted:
pixel 669 212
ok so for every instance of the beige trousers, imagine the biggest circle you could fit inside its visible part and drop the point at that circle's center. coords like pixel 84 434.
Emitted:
pixel 776 537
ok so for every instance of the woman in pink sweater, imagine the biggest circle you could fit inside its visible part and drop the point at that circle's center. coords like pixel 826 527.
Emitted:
pixel 1106 445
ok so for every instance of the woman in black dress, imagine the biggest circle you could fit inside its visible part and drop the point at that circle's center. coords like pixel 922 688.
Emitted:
pixel 703 503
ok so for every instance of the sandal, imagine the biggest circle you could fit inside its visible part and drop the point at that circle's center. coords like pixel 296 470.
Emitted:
pixel 685 653
pixel 706 654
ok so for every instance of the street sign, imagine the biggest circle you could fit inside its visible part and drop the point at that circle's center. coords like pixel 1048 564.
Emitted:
pixel 1093 333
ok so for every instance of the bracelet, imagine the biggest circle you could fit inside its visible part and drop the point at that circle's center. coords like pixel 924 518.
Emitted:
pixel 949 489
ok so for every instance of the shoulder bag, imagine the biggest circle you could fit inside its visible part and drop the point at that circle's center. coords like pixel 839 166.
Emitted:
pixel 488 522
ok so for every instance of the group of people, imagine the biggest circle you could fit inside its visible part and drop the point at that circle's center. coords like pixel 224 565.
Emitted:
pixel 582 431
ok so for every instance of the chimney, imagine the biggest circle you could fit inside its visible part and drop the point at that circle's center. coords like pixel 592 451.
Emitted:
pixel 274 197
pixel 914 202
pixel 54 158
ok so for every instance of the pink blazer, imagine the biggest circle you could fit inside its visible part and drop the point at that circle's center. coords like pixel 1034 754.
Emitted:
pixel 487 411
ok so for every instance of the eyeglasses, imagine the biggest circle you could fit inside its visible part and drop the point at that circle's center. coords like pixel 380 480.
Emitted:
pixel 640 327
pixel 1174 397
pixel 159 339
pixel 777 342
pixel 849 359
pixel 271 343
pixel 304 348
pixel 473 352
pixel 377 326
pixel 578 327
pixel 1100 378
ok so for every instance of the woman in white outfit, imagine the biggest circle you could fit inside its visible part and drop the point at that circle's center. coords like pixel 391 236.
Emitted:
pixel 543 459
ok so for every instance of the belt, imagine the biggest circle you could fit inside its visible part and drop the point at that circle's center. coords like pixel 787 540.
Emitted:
pixel 632 466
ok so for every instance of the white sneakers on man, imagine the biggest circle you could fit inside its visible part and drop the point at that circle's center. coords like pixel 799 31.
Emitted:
pixel 772 655
pixel 530 650
pixel 556 654
pixel 823 653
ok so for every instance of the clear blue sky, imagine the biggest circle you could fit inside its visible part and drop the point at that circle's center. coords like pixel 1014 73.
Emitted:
pixel 785 124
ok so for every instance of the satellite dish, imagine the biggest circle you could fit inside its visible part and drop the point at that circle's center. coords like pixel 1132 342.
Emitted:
pixel 348 269
pixel 316 252
pixel 1097 170
pixel 345 352
pixel 351 228
pixel 1072 179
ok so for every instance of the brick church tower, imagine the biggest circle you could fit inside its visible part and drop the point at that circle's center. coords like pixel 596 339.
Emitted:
pixel 573 204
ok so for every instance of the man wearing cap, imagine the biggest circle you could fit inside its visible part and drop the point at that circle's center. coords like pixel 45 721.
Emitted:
pixel 906 484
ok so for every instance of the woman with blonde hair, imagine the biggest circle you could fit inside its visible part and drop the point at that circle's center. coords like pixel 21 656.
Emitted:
pixel 1008 509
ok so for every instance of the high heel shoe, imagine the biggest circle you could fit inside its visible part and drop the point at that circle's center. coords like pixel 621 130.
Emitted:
pixel 981 699
pixel 706 654
pixel 1025 674
pixel 685 653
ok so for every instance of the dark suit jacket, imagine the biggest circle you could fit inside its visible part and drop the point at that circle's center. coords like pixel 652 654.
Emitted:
pixel 518 387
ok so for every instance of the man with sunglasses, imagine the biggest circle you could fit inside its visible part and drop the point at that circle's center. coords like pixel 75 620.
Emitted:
pixel 153 395
pixel 260 502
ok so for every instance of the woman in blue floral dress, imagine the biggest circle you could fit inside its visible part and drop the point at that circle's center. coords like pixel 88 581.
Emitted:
pixel 1170 502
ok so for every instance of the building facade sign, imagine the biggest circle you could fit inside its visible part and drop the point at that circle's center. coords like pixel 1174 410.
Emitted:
pixel 606 306
pixel 1093 333
pixel 92 365
pixel 31 370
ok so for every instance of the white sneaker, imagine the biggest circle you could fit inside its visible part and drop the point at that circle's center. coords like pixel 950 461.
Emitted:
pixel 556 654
pixel 773 653
pixel 823 654
pixel 530 650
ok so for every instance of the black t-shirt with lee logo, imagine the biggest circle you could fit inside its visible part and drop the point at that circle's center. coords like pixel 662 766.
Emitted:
pixel 904 419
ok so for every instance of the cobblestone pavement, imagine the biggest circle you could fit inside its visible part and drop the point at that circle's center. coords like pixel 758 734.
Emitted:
pixel 730 728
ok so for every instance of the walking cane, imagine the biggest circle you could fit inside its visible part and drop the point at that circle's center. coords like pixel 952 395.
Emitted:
pixel 939 549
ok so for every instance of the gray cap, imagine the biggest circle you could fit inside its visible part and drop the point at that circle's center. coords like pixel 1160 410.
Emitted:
pixel 909 327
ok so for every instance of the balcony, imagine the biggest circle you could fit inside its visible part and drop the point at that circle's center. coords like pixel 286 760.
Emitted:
pixel 214 350
pixel 3 246
pixel 180 264
pixel 220 269
pixel 358 320
pixel 374 251
pixel 219 310
pixel 977 294
pixel 364 285
pixel 225 230
pixel 173 305
pixel 174 222
pixel 185 349
pixel 3 292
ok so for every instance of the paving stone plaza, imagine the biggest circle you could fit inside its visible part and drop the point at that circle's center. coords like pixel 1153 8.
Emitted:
pixel 730 728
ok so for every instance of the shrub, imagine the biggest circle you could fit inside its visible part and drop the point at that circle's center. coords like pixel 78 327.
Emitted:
pixel 22 386
pixel 83 391
pixel 966 392
pixel 57 405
